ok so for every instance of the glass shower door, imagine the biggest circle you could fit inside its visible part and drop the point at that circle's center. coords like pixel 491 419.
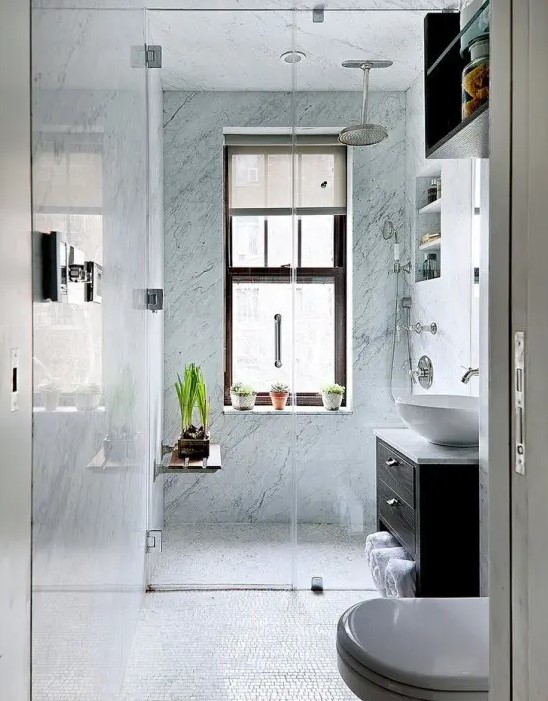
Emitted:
pixel 346 315
pixel 227 105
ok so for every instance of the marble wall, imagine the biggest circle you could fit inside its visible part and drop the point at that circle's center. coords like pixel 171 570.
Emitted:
pixel 449 301
pixel 89 514
pixel 330 457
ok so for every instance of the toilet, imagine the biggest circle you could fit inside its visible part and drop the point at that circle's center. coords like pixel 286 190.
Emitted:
pixel 411 649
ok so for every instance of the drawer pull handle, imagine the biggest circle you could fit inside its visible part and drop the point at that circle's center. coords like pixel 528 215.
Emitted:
pixel 391 462
pixel 392 502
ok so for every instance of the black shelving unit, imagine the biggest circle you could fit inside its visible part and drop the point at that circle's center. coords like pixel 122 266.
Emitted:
pixel 447 136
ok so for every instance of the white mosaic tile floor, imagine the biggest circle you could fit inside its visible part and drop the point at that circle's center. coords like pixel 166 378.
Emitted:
pixel 260 554
pixel 238 646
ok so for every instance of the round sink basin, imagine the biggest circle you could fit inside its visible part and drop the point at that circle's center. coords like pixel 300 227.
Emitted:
pixel 442 418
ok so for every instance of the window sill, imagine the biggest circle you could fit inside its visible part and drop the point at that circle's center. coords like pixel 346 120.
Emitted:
pixel 288 411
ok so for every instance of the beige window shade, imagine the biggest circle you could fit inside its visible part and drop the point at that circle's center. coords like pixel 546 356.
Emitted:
pixel 278 178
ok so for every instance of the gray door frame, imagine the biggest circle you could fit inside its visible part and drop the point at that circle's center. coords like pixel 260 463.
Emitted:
pixel 529 313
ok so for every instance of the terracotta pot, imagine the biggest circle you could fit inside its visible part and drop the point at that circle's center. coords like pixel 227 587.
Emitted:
pixel 279 399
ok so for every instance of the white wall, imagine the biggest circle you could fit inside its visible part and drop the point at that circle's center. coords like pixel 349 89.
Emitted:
pixel 334 454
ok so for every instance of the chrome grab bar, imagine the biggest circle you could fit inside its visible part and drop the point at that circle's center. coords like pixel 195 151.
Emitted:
pixel 278 340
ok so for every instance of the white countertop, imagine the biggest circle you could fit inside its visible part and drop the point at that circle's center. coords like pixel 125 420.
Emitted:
pixel 421 452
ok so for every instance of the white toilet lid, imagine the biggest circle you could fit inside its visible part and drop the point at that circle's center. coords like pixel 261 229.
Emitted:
pixel 439 644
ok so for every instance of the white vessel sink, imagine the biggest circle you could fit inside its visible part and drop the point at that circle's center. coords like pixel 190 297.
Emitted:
pixel 442 418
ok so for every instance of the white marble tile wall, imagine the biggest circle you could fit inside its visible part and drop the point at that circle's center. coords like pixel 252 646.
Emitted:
pixel 89 524
pixel 334 455
pixel 447 300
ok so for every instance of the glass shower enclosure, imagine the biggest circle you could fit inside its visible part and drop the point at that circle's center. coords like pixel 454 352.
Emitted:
pixel 277 274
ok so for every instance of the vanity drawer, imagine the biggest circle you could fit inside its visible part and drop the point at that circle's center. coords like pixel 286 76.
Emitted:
pixel 398 516
pixel 398 474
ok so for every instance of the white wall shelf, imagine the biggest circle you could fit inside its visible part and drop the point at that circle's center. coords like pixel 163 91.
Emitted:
pixel 431 245
pixel 431 208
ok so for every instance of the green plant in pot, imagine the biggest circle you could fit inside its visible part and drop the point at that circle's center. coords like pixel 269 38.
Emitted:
pixel 242 396
pixel 332 396
pixel 279 392
pixel 192 394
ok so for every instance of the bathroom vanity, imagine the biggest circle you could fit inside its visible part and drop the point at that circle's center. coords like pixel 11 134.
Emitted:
pixel 428 498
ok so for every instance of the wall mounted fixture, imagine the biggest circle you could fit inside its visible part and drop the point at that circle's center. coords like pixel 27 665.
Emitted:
pixel 420 328
pixel 424 373
pixel 66 275
pixel 318 14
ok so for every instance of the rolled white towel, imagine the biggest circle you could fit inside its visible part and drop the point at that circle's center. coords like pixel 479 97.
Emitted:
pixel 382 539
pixel 400 578
pixel 380 557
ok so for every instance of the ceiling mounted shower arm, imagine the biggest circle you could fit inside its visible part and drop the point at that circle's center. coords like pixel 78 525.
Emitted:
pixel 365 93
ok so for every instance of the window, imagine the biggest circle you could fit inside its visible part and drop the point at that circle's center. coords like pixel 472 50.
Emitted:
pixel 269 246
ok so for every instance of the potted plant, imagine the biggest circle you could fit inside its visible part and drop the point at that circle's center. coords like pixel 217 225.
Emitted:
pixel 87 396
pixel 242 396
pixel 192 393
pixel 279 392
pixel 332 396
pixel 51 393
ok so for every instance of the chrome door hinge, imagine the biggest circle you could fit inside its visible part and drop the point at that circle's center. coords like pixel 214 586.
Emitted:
pixel 154 541
pixel 519 401
pixel 155 299
pixel 153 56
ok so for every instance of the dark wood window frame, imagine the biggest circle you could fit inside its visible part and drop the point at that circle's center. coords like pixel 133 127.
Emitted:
pixel 284 274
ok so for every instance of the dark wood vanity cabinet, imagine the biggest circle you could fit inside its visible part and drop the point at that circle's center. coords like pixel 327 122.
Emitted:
pixel 433 511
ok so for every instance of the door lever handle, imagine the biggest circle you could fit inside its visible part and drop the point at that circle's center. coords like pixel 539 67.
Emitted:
pixel 278 340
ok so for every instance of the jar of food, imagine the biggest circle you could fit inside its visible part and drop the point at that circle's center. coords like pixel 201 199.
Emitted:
pixel 475 77
pixel 430 267
pixel 432 192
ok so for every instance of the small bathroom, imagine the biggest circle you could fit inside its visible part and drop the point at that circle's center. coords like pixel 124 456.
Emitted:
pixel 261 254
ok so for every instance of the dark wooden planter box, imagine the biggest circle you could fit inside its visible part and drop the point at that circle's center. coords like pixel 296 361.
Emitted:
pixel 193 448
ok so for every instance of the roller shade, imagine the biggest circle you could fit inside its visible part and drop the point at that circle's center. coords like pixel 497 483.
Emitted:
pixel 261 176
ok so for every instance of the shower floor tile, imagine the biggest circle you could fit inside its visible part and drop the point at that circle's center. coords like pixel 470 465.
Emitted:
pixel 238 646
pixel 260 554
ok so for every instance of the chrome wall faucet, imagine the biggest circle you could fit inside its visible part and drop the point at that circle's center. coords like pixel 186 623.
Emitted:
pixel 471 372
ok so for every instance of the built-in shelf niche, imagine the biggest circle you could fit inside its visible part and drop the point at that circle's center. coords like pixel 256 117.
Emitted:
pixel 427 219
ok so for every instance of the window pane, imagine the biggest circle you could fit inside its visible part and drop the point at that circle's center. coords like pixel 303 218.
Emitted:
pixel 317 238
pixel 314 335
pixel 253 308
pixel 280 241
pixel 248 242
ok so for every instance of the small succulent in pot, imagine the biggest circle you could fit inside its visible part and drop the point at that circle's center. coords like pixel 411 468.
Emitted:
pixel 332 396
pixel 279 392
pixel 192 393
pixel 242 396
pixel 50 391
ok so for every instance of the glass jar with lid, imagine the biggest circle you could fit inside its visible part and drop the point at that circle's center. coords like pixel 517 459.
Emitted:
pixel 475 77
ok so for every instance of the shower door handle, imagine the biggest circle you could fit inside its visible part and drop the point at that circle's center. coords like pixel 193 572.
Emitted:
pixel 278 340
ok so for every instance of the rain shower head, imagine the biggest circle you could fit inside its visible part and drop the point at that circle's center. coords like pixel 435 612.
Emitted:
pixel 364 134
